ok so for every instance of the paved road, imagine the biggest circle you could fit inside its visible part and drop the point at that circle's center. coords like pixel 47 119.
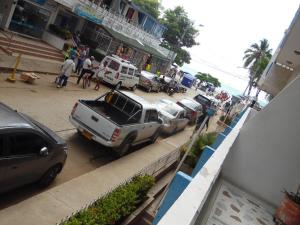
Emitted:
pixel 52 106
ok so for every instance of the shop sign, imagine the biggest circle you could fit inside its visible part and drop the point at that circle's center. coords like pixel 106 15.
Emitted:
pixel 41 2
pixel 88 13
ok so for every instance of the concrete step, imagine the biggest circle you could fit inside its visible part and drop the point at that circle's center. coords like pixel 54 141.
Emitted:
pixel 39 44
pixel 38 55
pixel 30 49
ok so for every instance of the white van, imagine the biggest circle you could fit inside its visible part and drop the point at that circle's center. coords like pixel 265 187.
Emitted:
pixel 118 72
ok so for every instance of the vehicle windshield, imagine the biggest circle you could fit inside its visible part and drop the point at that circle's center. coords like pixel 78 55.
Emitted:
pixel 169 109
pixel 189 103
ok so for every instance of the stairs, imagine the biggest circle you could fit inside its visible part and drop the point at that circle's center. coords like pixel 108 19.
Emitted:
pixel 36 48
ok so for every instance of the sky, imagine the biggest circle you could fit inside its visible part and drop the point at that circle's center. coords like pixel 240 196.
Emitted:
pixel 229 28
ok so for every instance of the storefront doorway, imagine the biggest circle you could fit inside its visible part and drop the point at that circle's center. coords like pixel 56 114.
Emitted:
pixel 29 19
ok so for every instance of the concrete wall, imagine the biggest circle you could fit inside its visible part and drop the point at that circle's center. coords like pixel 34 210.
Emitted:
pixel 53 40
pixel 276 80
pixel 265 157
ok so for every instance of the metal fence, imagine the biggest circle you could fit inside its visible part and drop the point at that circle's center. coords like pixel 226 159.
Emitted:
pixel 153 169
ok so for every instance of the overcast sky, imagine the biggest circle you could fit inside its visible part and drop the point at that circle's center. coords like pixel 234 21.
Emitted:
pixel 230 27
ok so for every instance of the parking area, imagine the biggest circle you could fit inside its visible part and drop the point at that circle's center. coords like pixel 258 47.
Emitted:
pixel 52 106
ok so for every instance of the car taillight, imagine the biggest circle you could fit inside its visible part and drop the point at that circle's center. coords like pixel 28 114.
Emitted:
pixel 116 134
pixel 74 108
pixel 117 75
pixel 194 114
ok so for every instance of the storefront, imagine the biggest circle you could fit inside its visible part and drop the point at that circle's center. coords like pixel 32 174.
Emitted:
pixel 31 17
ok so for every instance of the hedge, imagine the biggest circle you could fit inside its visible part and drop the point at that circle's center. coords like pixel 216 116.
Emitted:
pixel 196 150
pixel 116 206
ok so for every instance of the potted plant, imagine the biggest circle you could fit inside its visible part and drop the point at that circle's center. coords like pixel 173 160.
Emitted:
pixel 288 213
pixel 224 120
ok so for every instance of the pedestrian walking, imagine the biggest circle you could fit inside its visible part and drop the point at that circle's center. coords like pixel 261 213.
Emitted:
pixel 81 58
pixel 67 67
pixel 87 68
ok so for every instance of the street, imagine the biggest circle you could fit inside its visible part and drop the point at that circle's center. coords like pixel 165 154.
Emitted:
pixel 51 106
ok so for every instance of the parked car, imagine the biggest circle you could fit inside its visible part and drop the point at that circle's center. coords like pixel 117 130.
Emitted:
pixel 173 116
pixel 118 120
pixel 150 81
pixel 193 109
pixel 118 72
pixel 204 101
pixel 29 151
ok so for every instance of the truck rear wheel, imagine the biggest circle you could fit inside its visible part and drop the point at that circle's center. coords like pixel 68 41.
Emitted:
pixel 124 147
pixel 155 136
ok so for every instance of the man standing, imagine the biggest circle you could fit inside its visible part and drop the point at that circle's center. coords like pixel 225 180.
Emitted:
pixel 66 70
pixel 81 59
pixel 87 68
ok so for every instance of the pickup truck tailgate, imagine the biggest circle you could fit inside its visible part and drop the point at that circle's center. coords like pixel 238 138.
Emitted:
pixel 95 122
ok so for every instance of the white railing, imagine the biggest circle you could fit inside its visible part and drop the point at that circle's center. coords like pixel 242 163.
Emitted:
pixel 187 207
pixel 121 25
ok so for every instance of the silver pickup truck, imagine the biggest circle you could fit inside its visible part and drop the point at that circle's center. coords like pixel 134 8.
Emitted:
pixel 117 119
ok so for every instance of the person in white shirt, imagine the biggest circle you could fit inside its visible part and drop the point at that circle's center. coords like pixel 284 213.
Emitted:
pixel 87 68
pixel 67 68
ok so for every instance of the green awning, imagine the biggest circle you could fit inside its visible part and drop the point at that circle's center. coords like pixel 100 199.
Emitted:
pixel 136 44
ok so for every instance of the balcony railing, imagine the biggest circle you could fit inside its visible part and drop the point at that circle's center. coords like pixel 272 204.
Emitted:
pixel 119 24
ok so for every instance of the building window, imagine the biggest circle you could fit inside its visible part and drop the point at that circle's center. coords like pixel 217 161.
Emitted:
pixel 29 19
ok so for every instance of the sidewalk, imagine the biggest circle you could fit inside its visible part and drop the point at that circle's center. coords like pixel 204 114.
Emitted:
pixel 7 62
pixel 51 206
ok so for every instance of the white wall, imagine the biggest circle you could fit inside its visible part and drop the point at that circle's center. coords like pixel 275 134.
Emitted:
pixel 265 158
pixel 53 40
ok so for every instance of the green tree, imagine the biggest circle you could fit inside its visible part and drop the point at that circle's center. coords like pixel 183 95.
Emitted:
pixel 206 77
pixel 180 33
pixel 256 59
pixel 150 6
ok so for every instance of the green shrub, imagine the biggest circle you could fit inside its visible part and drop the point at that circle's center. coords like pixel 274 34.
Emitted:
pixel 63 33
pixel 227 121
pixel 196 150
pixel 115 206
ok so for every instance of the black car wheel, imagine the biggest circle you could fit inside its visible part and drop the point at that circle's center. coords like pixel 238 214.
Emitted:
pixel 49 176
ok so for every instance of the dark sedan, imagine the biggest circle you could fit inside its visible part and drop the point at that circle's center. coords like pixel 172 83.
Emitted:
pixel 29 151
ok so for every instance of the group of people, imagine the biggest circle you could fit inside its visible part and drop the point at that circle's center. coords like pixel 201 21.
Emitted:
pixel 77 60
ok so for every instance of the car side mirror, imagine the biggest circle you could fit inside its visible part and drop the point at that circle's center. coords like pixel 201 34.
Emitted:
pixel 44 151
pixel 160 121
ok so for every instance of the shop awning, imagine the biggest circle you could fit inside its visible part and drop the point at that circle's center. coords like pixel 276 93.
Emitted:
pixel 136 44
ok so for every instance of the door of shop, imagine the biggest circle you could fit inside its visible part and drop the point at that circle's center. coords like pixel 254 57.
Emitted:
pixel 29 18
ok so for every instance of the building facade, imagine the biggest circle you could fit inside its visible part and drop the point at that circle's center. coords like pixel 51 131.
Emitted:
pixel 113 26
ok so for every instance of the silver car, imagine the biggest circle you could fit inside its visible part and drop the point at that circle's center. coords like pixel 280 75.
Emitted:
pixel 29 151
pixel 173 116
pixel 150 82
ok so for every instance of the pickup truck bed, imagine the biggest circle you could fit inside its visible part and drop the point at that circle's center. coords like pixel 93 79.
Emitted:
pixel 109 112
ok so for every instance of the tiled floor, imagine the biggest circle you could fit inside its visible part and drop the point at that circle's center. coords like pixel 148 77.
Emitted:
pixel 233 206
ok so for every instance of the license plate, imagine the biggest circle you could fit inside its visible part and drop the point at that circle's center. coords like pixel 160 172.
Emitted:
pixel 87 134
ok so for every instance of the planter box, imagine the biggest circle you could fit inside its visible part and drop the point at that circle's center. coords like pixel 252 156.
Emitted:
pixel 288 212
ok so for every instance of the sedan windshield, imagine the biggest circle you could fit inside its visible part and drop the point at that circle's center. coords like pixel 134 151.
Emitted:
pixel 169 109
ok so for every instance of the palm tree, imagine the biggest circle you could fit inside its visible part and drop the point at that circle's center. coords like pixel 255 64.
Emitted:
pixel 256 59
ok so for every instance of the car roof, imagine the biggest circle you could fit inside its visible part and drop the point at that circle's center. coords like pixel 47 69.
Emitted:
pixel 11 118
pixel 191 100
pixel 204 96
pixel 171 103
pixel 143 102
pixel 122 62
pixel 147 74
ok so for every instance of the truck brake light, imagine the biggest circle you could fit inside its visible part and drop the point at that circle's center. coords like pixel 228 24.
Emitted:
pixel 74 108
pixel 116 134
pixel 117 75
